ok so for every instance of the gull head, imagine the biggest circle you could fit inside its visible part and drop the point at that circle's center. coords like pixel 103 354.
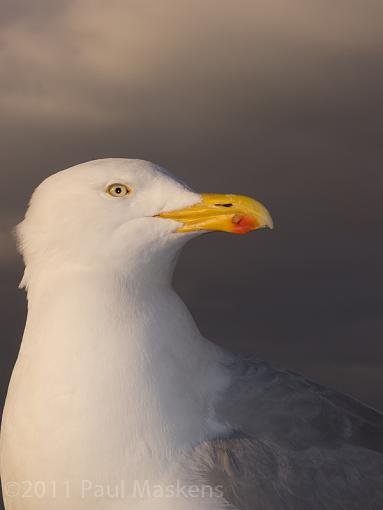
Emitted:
pixel 118 212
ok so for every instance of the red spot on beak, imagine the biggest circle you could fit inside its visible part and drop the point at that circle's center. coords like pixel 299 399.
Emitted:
pixel 243 224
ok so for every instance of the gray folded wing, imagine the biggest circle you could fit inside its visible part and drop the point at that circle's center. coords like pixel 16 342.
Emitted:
pixel 295 445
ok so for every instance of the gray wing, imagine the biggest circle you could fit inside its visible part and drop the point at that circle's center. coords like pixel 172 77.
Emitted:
pixel 296 445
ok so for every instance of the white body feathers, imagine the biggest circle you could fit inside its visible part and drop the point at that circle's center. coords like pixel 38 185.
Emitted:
pixel 113 383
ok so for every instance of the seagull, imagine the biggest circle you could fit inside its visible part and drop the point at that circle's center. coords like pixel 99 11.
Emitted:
pixel 117 402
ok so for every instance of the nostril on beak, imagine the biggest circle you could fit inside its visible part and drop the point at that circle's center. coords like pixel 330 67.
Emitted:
pixel 224 205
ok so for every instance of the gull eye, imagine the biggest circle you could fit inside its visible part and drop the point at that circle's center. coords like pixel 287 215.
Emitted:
pixel 117 190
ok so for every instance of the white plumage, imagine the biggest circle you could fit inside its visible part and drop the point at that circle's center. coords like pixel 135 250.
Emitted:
pixel 113 381
pixel 118 403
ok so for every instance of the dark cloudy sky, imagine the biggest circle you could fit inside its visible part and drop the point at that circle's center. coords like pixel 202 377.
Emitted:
pixel 281 100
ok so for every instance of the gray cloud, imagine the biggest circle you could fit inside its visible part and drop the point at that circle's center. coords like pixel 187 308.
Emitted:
pixel 80 61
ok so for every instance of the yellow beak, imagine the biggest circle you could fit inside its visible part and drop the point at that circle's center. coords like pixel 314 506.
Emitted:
pixel 228 213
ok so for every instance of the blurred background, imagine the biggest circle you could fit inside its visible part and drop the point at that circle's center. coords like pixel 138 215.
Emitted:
pixel 280 100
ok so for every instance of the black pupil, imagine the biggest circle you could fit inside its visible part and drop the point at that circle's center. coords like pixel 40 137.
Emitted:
pixel 118 190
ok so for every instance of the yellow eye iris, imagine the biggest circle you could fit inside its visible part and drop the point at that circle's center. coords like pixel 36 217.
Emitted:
pixel 117 190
